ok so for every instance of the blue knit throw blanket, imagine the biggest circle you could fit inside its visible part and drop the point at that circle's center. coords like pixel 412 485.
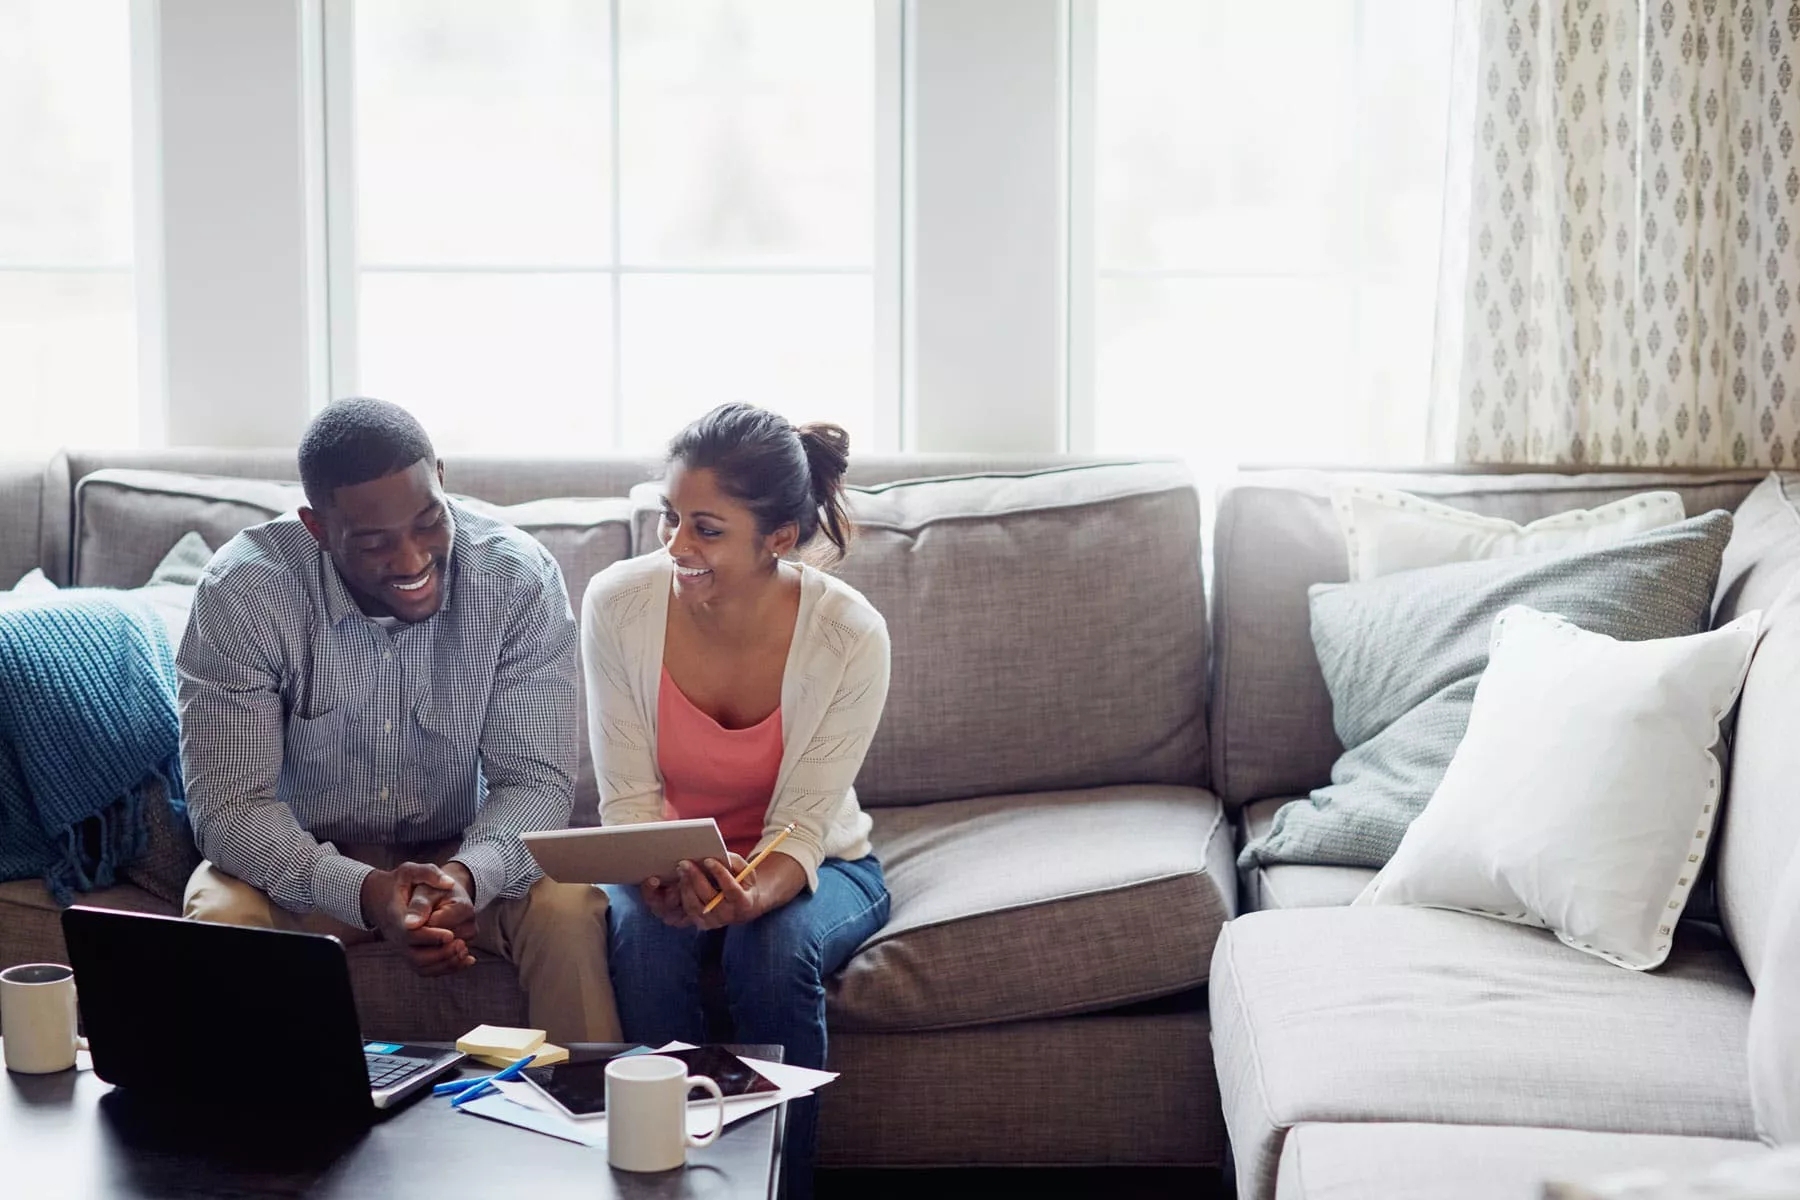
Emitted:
pixel 87 719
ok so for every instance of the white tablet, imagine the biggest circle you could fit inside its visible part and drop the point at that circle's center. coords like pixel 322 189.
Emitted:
pixel 624 853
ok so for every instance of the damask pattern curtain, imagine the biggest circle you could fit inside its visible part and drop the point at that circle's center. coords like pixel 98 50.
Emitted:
pixel 1628 286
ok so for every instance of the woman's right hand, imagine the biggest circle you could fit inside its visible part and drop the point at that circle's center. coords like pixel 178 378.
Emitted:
pixel 664 899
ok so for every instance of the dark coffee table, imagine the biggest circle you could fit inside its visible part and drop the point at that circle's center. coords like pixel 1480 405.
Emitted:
pixel 73 1135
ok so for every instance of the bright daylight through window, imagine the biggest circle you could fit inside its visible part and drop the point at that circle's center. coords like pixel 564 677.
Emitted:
pixel 68 324
pixel 578 224
pixel 1269 184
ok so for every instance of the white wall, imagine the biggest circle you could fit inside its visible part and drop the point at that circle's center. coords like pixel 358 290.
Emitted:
pixel 988 245
pixel 242 300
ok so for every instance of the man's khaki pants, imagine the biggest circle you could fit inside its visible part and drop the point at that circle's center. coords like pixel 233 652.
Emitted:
pixel 555 935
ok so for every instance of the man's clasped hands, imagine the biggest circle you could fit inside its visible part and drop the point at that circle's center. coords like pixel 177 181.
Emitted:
pixel 427 910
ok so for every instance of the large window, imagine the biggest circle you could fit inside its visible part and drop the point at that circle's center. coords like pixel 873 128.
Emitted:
pixel 574 225
pixel 1267 197
pixel 68 324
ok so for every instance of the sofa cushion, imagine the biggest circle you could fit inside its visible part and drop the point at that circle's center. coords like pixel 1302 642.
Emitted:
pixel 1048 630
pixel 1276 536
pixel 1012 907
pixel 31 922
pixel 1475 1162
pixel 1761 821
pixel 1774 1046
pixel 1290 885
pixel 1764 552
pixel 1417 1014
pixel 22 507
pixel 126 521
pixel 395 1003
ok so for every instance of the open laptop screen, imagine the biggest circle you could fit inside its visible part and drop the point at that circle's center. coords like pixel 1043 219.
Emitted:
pixel 207 1012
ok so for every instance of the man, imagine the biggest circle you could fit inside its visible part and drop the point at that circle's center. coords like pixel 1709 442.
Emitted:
pixel 378 695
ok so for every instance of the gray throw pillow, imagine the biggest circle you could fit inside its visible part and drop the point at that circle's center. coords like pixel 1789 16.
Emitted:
pixel 170 592
pixel 1402 655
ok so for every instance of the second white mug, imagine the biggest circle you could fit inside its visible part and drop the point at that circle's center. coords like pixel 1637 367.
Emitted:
pixel 646 1112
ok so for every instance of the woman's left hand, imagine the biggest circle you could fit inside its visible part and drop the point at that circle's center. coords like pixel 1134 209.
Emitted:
pixel 700 882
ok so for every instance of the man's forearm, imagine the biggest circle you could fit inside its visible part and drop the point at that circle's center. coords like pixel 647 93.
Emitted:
pixel 262 844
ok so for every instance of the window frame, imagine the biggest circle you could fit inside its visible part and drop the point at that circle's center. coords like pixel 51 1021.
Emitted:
pixel 343 267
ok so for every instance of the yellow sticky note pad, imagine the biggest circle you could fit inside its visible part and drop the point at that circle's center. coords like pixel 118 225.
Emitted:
pixel 500 1041
pixel 546 1055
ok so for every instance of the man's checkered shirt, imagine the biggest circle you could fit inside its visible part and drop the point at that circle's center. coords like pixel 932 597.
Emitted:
pixel 304 722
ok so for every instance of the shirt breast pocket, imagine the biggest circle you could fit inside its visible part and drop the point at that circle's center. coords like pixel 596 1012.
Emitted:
pixel 315 748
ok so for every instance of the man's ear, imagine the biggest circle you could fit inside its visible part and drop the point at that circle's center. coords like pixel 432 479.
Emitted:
pixel 314 526
pixel 440 465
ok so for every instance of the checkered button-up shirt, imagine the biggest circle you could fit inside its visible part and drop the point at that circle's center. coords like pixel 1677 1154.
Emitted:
pixel 305 722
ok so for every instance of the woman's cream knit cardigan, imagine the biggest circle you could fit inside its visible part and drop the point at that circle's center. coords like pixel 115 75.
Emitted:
pixel 832 694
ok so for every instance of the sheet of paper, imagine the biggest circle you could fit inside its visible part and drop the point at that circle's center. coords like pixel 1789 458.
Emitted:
pixel 499 1108
pixel 787 1078
pixel 792 1079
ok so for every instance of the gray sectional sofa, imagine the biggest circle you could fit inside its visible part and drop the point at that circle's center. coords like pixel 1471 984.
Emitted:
pixel 1071 755
pixel 1058 869
pixel 1412 1053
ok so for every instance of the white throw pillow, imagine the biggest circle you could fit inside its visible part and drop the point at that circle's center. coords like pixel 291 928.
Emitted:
pixel 1387 531
pixel 1583 795
pixel 1775 1022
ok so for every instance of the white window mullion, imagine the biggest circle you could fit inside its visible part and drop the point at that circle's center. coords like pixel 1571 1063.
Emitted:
pixel 339 122
pixel 147 224
pixel 617 382
pixel 891 225
pixel 1079 325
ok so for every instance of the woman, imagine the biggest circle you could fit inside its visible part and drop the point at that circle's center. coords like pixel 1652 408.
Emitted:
pixel 726 680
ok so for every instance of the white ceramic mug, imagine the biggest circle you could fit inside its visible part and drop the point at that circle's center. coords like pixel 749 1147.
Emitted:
pixel 37 1018
pixel 646 1112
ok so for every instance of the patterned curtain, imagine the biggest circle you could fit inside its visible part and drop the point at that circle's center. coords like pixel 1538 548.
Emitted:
pixel 1629 288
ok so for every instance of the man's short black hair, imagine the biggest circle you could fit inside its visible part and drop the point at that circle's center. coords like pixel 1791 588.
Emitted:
pixel 355 440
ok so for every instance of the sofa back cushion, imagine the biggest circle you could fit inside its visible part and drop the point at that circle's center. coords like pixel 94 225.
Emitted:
pixel 126 520
pixel 1765 549
pixel 22 502
pixel 1774 1049
pixel 1761 828
pixel 1276 536
pixel 1048 631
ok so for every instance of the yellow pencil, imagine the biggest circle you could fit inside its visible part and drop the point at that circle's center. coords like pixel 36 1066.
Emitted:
pixel 750 866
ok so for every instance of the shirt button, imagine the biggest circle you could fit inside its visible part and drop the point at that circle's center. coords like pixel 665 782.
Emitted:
pixel 386 655
pixel 387 727
pixel 384 793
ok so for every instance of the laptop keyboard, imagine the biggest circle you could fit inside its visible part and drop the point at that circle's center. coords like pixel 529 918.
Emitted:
pixel 385 1070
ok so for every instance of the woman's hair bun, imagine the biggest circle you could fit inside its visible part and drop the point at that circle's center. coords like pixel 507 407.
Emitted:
pixel 827 455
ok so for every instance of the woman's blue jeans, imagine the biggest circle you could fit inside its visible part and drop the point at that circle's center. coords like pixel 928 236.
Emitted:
pixel 775 971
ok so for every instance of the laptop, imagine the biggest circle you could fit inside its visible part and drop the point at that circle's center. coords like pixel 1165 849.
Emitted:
pixel 195 1011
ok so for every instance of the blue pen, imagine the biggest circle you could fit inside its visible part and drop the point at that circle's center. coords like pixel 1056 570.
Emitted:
pixel 451 1087
pixel 481 1086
